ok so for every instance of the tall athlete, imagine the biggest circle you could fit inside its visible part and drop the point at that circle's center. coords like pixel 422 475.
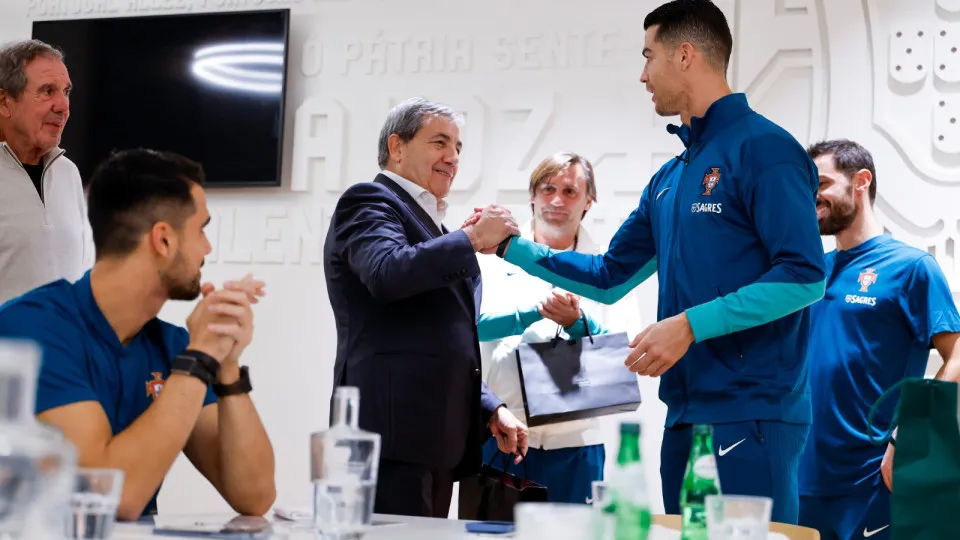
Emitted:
pixel 730 226
pixel 886 305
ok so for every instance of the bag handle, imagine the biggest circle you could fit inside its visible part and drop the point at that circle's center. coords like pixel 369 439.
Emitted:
pixel 506 463
pixel 896 413
pixel 583 317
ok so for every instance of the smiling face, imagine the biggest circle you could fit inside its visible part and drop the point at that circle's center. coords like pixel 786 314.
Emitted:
pixel 837 204
pixel 431 158
pixel 662 76
pixel 33 123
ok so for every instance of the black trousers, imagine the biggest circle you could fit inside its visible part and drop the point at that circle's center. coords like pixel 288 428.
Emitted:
pixel 407 489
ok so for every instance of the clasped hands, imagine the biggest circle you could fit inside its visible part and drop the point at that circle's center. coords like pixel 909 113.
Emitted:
pixel 489 226
pixel 221 324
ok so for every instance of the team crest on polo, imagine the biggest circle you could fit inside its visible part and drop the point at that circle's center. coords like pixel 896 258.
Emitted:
pixel 867 278
pixel 155 386
pixel 710 180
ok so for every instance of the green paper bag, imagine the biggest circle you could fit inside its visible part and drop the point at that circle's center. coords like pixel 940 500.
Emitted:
pixel 925 502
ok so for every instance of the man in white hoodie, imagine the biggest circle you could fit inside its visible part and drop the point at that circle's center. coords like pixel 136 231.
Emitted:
pixel 565 457
pixel 44 231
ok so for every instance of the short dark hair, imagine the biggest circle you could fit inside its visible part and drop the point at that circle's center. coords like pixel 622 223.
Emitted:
pixel 848 158
pixel 132 190
pixel 699 22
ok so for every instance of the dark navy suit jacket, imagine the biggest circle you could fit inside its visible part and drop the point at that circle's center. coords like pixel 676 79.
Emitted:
pixel 406 299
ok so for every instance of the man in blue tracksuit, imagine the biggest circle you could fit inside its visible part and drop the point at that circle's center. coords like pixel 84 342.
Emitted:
pixel 886 305
pixel 734 291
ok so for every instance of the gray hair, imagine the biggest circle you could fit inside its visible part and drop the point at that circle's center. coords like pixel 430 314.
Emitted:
pixel 406 119
pixel 14 58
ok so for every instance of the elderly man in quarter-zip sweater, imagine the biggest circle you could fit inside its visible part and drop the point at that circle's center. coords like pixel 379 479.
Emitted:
pixel 44 231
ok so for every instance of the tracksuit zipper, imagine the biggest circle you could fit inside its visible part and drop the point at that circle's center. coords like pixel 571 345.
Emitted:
pixel 43 206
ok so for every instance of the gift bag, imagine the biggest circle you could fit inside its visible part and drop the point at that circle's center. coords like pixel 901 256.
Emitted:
pixel 926 465
pixel 563 380
pixel 492 494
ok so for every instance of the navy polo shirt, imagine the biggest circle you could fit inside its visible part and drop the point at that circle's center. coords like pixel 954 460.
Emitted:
pixel 884 302
pixel 83 359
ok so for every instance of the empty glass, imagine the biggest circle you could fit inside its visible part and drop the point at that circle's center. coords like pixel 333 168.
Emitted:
pixel 604 510
pixel 738 517
pixel 94 504
pixel 556 521
pixel 600 492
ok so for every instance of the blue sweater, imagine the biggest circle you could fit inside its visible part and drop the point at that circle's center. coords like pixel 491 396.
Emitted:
pixel 743 196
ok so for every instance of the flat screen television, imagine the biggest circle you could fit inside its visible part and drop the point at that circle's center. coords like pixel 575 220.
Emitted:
pixel 210 86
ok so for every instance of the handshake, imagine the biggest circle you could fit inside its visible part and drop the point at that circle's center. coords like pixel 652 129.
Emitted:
pixel 489 226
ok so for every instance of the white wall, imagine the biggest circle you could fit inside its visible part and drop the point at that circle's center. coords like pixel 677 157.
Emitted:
pixel 535 77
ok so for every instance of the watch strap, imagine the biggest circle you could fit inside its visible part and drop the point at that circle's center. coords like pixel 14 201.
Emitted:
pixel 502 246
pixel 240 386
pixel 191 365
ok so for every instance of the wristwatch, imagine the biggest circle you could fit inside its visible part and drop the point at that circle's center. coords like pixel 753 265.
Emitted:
pixel 197 364
pixel 240 386
pixel 502 247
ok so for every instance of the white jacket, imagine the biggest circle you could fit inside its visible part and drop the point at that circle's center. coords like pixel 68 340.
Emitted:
pixel 506 287
pixel 43 241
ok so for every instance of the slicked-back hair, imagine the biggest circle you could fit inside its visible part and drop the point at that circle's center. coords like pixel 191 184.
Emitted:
pixel 699 22
pixel 132 190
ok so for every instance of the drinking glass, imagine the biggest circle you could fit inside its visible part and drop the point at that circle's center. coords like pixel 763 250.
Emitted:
pixel 738 517
pixel 604 510
pixel 94 504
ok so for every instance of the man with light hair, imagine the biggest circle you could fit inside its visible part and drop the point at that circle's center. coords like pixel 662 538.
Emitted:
pixel 518 308
pixel 44 232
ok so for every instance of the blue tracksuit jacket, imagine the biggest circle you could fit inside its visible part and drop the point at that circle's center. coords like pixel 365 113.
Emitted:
pixel 730 227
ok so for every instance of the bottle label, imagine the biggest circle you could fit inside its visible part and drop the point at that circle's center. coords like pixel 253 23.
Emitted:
pixel 706 467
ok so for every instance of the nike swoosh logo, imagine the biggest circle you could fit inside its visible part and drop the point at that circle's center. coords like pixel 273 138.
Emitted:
pixel 589 500
pixel 723 451
pixel 868 534
pixel 662 191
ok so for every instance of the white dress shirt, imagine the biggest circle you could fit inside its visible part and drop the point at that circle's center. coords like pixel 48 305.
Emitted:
pixel 435 208
pixel 507 287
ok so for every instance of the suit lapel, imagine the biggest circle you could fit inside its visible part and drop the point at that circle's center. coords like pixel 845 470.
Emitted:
pixel 426 222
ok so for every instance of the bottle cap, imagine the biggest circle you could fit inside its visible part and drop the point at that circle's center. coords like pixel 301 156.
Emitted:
pixel 629 428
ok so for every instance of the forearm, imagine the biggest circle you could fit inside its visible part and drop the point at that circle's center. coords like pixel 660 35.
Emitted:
pixel 946 345
pixel 493 326
pixel 410 270
pixel 246 460
pixel 603 278
pixel 146 450
pixel 489 402
pixel 752 305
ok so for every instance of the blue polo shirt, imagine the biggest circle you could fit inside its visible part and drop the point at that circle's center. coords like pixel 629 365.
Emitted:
pixel 884 302
pixel 83 359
